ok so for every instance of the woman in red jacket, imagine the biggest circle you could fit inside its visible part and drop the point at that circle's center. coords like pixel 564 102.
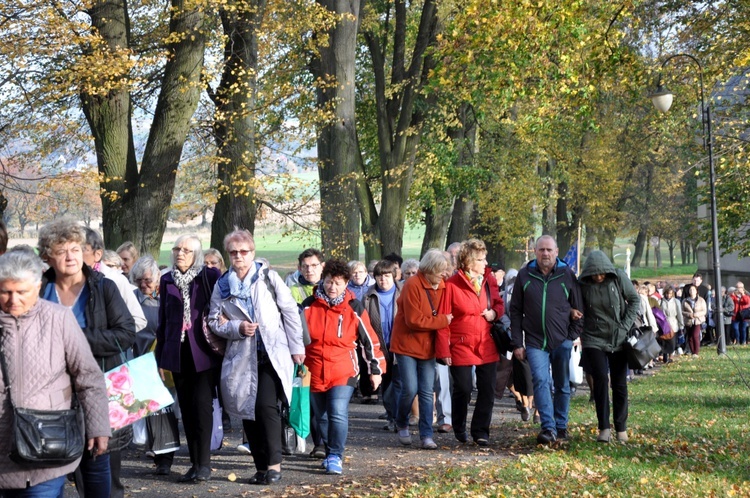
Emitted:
pixel 472 296
pixel 339 327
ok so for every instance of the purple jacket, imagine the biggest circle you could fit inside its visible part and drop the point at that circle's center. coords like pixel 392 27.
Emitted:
pixel 169 331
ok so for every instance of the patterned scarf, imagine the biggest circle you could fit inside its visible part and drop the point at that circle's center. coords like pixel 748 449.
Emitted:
pixel 183 281
pixel 320 293
pixel 475 281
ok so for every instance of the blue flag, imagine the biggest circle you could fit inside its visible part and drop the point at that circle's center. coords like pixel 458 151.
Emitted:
pixel 571 258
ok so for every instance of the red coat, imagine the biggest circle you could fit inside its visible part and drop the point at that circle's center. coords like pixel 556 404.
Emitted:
pixel 467 340
pixel 740 303
pixel 336 333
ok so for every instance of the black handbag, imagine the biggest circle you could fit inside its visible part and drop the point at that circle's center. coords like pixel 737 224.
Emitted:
pixel 44 438
pixel 500 331
pixel 641 347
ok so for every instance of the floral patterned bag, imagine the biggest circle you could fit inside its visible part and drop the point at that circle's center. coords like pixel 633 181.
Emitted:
pixel 135 390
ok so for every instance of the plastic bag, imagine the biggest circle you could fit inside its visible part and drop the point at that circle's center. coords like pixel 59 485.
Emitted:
pixel 299 408
pixel 576 370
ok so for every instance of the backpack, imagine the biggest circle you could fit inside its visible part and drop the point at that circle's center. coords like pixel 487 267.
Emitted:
pixel 665 331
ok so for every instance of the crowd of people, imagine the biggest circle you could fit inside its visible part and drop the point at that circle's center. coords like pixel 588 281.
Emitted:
pixel 412 335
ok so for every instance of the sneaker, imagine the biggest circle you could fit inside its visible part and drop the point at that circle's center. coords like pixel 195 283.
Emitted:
pixel 679 351
pixel 150 454
pixel 404 437
pixel 462 437
pixel 244 448
pixel 562 433
pixel 413 421
pixel 546 437
pixel 334 465
pixel 428 444
pixel 390 426
pixel 324 463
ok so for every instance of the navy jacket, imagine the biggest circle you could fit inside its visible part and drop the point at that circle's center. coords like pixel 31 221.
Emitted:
pixel 540 307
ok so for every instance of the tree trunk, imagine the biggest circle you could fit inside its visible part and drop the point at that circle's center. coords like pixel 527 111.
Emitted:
pixel 549 223
pixel 108 116
pixel 235 99
pixel 338 149
pixel 465 141
pixel 135 205
pixel 640 242
pixel 437 220
pixel 178 99
pixel 399 120
pixel 657 253
pixel 459 230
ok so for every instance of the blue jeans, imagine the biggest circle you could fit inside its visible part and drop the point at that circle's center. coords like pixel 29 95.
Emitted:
pixel 392 393
pixel 54 488
pixel 94 476
pixel 553 415
pixel 331 408
pixel 417 378
pixel 739 328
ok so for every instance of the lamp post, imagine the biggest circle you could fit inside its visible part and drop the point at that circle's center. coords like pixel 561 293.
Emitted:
pixel 662 100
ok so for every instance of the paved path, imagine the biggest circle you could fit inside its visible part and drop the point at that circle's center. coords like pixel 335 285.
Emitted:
pixel 371 453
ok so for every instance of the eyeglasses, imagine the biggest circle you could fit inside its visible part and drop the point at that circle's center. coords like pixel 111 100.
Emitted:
pixel 310 267
pixel 183 250
pixel 241 252
pixel 146 281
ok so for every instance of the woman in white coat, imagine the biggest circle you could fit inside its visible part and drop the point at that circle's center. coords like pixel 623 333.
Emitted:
pixel 253 309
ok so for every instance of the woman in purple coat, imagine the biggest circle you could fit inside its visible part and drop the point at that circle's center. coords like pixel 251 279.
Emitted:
pixel 182 349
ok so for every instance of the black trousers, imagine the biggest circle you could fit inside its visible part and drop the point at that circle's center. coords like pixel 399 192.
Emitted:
pixel 606 367
pixel 264 433
pixel 195 392
pixel 461 396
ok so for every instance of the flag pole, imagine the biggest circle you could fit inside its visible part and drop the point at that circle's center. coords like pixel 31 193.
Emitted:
pixel 578 259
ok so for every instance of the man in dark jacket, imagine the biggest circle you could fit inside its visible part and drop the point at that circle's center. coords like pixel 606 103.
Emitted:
pixel 542 311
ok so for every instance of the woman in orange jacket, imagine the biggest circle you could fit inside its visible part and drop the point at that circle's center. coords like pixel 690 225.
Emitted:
pixel 472 296
pixel 413 343
pixel 339 328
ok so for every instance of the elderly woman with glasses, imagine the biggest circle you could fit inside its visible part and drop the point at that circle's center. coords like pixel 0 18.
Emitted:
pixel 109 327
pixel 182 349
pixel 253 309
pixel 473 298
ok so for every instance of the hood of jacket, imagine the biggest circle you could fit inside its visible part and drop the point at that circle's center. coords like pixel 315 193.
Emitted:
pixel 597 263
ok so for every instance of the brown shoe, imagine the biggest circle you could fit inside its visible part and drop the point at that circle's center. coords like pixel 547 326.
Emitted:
pixel 445 428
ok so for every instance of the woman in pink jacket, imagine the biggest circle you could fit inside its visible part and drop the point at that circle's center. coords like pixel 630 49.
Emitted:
pixel 473 298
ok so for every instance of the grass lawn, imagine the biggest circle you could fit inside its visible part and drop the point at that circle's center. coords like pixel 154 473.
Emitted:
pixel 688 429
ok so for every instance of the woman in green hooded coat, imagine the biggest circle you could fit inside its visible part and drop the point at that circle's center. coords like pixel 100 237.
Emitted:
pixel 610 308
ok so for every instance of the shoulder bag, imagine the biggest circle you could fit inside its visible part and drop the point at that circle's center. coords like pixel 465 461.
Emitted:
pixel 499 331
pixel 44 438
pixel 641 347
pixel 217 344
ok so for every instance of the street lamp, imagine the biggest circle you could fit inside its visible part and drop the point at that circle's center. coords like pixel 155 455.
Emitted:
pixel 662 100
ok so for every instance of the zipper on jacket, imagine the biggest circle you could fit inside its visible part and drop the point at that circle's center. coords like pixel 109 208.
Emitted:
pixel 544 304
pixel 341 322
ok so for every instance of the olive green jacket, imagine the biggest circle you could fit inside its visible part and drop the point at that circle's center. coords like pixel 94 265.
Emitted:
pixel 610 307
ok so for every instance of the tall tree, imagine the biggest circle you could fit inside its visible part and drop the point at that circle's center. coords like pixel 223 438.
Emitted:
pixel 338 149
